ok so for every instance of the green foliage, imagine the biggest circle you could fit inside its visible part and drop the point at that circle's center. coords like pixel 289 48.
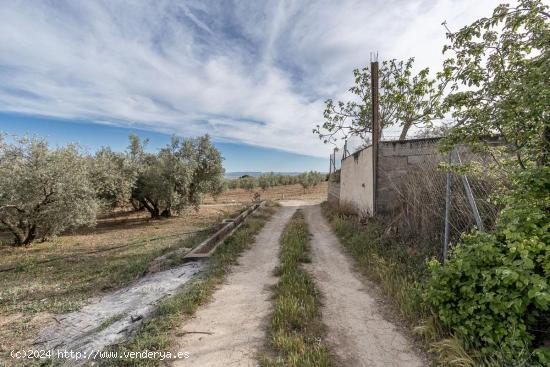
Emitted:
pixel 310 179
pixel 177 176
pixel 406 99
pixel 499 73
pixel 306 179
pixel 295 330
pixel 269 180
pixel 112 176
pixel 494 291
pixel 248 183
pixel 43 191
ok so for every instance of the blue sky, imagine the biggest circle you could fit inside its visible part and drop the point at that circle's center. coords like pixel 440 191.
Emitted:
pixel 238 157
pixel 252 74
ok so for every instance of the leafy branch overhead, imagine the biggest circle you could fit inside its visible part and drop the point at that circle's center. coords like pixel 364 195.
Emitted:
pixel 406 99
pixel 494 290
pixel 499 72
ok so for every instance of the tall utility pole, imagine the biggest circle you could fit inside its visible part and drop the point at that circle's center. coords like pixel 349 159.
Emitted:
pixel 375 130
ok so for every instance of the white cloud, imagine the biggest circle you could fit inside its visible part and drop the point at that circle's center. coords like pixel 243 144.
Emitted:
pixel 252 72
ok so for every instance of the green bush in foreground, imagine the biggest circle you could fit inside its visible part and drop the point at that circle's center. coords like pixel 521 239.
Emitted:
pixel 494 291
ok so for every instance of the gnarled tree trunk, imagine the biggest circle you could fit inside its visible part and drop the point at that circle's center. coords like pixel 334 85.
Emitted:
pixel 23 234
pixel 152 207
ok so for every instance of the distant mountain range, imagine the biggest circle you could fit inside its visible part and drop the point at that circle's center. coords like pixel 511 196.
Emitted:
pixel 258 174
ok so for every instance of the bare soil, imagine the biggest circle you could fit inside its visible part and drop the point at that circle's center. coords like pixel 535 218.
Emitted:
pixel 229 331
pixel 276 193
pixel 356 328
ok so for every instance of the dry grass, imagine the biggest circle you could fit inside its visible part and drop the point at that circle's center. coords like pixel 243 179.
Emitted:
pixel 294 192
pixel 58 276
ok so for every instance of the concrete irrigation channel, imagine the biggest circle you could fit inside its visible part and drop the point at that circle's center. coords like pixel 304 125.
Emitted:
pixel 115 317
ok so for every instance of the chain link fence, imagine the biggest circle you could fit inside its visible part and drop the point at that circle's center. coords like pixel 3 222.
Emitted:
pixel 425 193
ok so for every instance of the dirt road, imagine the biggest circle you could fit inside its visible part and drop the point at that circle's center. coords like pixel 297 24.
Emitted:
pixel 357 332
pixel 240 307
pixel 230 330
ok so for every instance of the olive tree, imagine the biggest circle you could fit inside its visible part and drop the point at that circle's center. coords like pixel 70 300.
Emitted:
pixel 268 180
pixel 113 177
pixel 310 179
pixel 406 99
pixel 177 176
pixel 248 182
pixel 43 191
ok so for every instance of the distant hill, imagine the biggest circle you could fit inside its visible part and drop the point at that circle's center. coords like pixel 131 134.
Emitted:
pixel 258 174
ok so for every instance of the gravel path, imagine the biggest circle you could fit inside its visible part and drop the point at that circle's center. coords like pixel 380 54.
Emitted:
pixel 358 333
pixel 230 330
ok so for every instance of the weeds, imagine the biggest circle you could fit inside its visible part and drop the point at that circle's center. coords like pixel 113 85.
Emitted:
pixel 110 321
pixel 295 331
pixel 400 270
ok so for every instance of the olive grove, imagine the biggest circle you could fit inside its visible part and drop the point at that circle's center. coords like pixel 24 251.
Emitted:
pixel 113 177
pixel 45 191
pixel 305 179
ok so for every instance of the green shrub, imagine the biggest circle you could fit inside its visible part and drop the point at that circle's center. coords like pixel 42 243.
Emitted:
pixel 494 291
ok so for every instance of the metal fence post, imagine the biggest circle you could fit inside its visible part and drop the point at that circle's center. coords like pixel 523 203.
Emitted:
pixel 447 210
pixel 344 155
pixel 470 196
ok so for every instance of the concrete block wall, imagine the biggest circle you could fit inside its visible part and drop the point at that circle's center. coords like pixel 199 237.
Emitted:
pixel 395 161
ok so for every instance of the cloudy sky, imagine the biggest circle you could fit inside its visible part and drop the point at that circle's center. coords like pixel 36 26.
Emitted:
pixel 253 74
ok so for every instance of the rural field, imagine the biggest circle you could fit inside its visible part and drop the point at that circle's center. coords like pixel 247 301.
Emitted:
pixel 165 200
pixel 283 192
pixel 61 275
pixel 58 276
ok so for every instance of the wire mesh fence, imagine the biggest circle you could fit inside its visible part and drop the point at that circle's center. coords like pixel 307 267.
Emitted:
pixel 422 197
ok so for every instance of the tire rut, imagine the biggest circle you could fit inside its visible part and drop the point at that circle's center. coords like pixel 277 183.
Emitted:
pixel 231 327
pixel 357 331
